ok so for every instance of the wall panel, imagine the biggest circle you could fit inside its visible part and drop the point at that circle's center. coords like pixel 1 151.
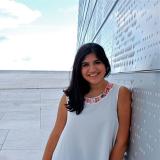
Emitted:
pixel 145 123
pixel 129 31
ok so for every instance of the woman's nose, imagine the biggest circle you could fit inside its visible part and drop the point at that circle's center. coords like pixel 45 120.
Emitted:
pixel 92 68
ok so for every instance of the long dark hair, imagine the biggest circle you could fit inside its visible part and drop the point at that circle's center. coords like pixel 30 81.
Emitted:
pixel 78 86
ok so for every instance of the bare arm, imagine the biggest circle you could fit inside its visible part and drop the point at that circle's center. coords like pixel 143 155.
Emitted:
pixel 57 130
pixel 124 117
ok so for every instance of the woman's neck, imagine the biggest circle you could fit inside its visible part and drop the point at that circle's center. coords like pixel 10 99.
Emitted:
pixel 99 85
pixel 97 89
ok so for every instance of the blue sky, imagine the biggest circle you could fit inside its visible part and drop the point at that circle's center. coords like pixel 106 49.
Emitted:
pixel 38 35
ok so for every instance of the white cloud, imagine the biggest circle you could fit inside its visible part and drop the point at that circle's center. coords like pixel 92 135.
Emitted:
pixel 13 14
pixel 69 11
pixel 2 38
pixel 47 49
pixel 34 47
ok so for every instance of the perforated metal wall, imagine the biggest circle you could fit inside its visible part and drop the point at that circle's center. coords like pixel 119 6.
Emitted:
pixel 129 31
pixel 145 127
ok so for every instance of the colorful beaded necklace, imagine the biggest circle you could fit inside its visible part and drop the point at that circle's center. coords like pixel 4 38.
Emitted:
pixel 99 97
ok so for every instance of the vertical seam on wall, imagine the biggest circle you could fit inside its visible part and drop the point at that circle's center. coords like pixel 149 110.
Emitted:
pixel 89 20
pixel 105 20
pixel 84 20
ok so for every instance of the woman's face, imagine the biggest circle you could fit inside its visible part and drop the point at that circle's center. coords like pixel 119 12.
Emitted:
pixel 92 69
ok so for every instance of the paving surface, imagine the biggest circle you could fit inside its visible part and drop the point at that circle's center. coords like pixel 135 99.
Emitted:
pixel 28 107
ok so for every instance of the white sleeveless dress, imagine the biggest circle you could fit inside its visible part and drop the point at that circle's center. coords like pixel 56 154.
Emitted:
pixel 91 134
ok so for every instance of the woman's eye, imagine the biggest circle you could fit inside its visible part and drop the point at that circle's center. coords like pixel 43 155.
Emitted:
pixel 98 62
pixel 84 64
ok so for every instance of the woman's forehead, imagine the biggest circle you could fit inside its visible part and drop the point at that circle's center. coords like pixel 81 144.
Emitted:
pixel 91 56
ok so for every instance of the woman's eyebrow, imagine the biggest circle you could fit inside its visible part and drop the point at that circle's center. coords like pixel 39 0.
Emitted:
pixel 97 60
pixel 84 62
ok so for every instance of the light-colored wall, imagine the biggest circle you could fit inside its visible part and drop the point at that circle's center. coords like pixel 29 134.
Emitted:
pixel 33 79
pixel 129 31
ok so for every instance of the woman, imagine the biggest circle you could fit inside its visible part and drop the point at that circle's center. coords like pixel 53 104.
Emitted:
pixel 93 119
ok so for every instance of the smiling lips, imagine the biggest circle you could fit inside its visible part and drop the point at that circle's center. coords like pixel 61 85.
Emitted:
pixel 93 75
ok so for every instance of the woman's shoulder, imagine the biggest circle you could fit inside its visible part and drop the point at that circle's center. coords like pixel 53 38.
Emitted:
pixel 121 88
pixel 64 99
pixel 124 93
pixel 124 90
